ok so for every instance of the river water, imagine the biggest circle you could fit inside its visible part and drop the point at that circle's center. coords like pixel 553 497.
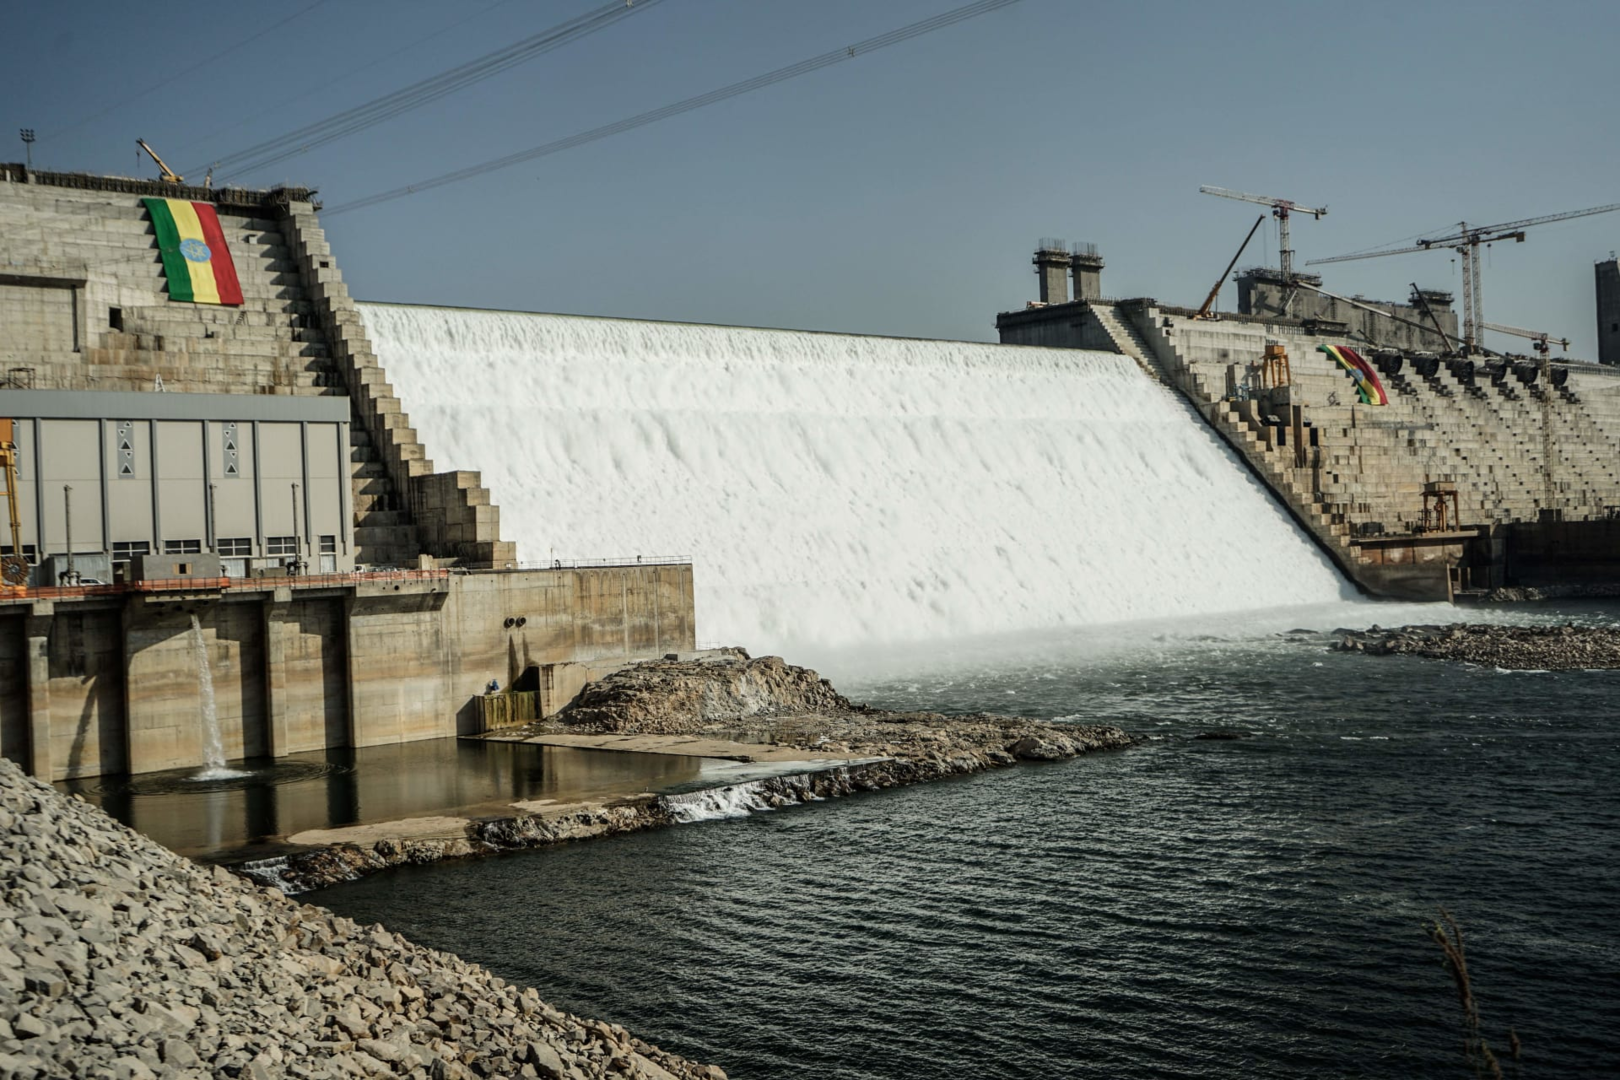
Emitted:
pixel 1230 908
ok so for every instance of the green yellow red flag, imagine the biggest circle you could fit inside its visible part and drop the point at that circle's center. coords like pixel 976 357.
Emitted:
pixel 195 258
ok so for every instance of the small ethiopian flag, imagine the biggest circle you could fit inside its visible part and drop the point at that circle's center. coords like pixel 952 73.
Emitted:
pixel 195 258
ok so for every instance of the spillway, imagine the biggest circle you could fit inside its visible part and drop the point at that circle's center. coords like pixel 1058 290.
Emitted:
pixel 836 490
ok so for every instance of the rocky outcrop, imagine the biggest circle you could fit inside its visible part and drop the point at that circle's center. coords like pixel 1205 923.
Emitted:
pixel 767 700
pixel 669 697
pixel 1521 648
pixel 121 959
pixel 320 867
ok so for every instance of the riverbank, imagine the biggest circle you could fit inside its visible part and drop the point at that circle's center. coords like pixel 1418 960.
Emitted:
pixel 1513 648
pixel 758 711
pixel 120 958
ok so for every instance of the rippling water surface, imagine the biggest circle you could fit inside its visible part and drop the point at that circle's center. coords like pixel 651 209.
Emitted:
pixel 1247 908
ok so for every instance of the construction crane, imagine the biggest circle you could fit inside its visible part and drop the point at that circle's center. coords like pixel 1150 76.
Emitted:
pixel 169 175
pixel 1209 301
pixel 1280 209
pixel 1466 242
pixel 1542 343
pixel 13 566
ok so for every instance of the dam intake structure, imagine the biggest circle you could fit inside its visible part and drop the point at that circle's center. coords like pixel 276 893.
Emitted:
pixel 837 489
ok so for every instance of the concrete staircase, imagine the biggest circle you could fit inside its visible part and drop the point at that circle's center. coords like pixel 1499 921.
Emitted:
pixel 1126 339
pixel 1514 453
pixel 403 508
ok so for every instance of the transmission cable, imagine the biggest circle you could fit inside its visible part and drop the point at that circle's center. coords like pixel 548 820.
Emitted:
pixel 121 102
pixel 280 104
pixel 427 90
pixel 803 67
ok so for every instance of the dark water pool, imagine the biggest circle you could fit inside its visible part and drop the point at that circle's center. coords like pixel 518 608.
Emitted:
pixel 1245 908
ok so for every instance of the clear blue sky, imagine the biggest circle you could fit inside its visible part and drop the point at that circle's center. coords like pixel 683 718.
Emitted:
pixel 899 193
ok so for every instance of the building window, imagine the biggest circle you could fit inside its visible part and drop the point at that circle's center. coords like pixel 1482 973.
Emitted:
pixel 236 546
pixel 115 318
pixel 127 550
pixel 328 545
pixel 30 553
pixel 281 545
pixel 182 547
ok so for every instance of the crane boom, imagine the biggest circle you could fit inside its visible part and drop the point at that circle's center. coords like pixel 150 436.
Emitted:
pixel 1263 200
pixel 1466 242
pixel 1367 255
pixel 1525 222
pixel 1280 209
pixel 169 175
pixel 1541 338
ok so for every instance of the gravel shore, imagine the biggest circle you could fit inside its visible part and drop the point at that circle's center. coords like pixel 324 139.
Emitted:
pixel 121 959
pixel 1517 648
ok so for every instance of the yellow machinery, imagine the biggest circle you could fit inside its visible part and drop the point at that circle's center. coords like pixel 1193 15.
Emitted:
pixel 169 175
pixel 13 567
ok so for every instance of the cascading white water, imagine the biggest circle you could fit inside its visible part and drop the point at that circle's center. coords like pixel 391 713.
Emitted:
pixel 836 490
pixel 213 746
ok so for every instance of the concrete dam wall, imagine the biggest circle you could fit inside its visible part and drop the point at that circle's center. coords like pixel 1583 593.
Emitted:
pixel 835 490
pixel 346 592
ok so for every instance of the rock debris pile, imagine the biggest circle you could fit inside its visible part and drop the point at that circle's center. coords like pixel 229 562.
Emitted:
pixel 1521 648
pixel 121 959
pixel 766 700
pixel 667 697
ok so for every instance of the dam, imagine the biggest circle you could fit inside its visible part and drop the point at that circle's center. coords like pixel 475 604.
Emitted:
pixel 602 491
pixel 841 490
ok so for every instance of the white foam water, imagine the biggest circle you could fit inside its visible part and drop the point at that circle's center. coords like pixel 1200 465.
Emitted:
pixel 836 490
pixel 712 804
pixel 213 745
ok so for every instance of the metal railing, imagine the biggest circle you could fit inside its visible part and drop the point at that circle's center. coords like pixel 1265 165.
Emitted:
pixel 603 563
pixel 222 584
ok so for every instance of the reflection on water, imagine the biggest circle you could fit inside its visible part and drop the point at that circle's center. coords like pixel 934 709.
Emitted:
pixel 239 819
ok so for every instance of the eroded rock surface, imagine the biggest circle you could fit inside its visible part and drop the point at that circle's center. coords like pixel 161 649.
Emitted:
pixel 1520 648
pixel 121 959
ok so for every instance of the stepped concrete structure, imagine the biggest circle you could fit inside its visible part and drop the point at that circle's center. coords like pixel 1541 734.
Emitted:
pixel 1477 474
pixel 256 440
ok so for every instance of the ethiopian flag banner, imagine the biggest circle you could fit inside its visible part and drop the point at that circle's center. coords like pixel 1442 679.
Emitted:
pixel 1361 373
pixel 195 258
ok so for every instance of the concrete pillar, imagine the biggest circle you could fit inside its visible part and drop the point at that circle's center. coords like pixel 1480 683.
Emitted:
pixel 1087 266
pixel 1608 311
pixel 1052 267
pixel 39 689
pixel 276 688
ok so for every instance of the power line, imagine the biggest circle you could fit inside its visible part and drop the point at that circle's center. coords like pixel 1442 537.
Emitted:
pixel 280 104
pixel 177 76
pixel 427 90
pixel 803 67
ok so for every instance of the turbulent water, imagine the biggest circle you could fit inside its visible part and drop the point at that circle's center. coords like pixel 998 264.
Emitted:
pixel 1246 908
pixel 836 490
pixel 1241 908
